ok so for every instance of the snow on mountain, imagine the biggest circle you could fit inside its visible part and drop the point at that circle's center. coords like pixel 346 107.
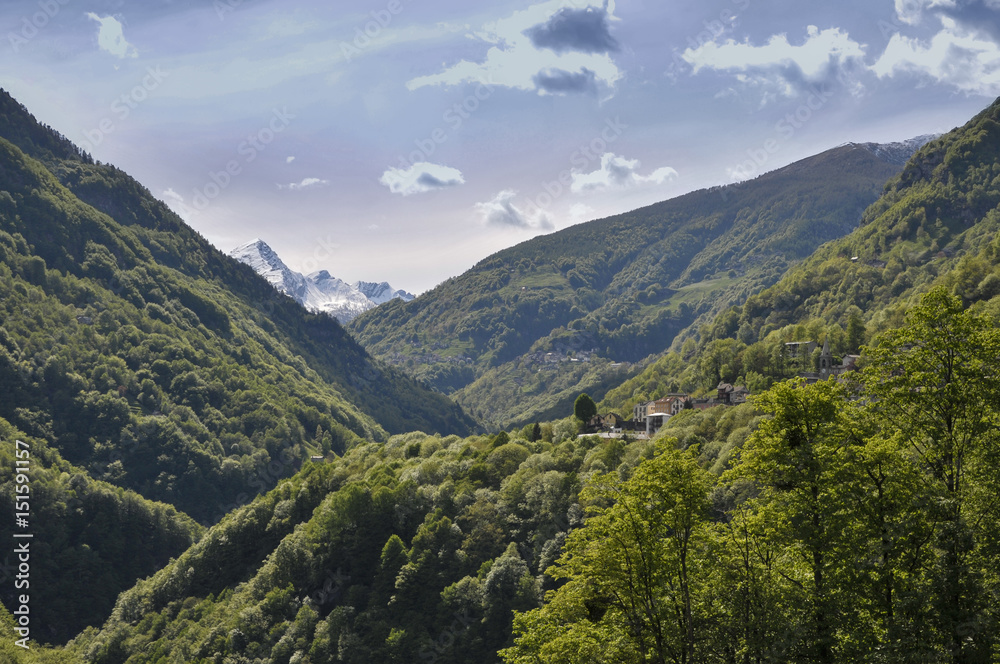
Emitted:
pixel 319 291
pixel 381 293
pixel 898 153
pixel 267 264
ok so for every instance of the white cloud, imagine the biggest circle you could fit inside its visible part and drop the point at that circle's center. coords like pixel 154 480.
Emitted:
pixel 780 67
pixel 289 160
pixel 111 37
pixel 307 183
pixel 514 61
pixel 421 178
pixel 619 173
pixel 954 56
pixel 502 212
pixel 912 11
pixel 176 203
pixel 581 212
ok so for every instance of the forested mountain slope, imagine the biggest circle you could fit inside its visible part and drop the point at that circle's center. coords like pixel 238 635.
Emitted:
pixel 90 540
pixel 828 531
pixel 148 366
pixel 938 223
pixel 157 235
pixel 415 550
pixel 619 289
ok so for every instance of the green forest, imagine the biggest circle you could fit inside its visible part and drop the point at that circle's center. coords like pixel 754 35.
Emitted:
pixel 220 476
pixel 832 522
pixel 613 293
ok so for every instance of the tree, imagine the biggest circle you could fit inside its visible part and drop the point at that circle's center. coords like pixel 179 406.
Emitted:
pixel 855 333
pixel 634 574
pixel 936 385
pixel 584 409
pixel 795 459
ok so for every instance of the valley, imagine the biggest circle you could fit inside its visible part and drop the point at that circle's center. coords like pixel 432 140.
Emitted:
pixel 220 474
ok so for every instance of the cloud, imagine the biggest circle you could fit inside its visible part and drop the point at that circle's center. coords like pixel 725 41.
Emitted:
pixel 584 30
pixel 176 203
pixel 976 16
pixel 912 11
pixel 421 178
pixel 780 67
pixel 619 173
pixel 289 160
pixel 111 37
pixel 515 61
pixel 559 82
pixel 502 213
pixel 581 212
pixel 955 56
pixel 307 183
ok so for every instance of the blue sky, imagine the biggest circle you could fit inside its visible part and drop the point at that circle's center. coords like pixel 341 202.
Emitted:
pixel 405 140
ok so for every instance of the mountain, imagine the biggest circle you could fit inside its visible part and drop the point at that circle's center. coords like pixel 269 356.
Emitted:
pixel 937 223
pixel 424 545
pixel 382 292
pixel 520 335
pixel 420 548
pixel 898 152
pixel 171 383
pixel 91 539
pixel 415 550
pixel 319 291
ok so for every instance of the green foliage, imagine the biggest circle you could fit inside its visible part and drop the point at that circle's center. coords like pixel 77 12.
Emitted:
pixel 91 540
pixel 938 383
pixel 584 408
pixel 632 575
pixel 852 525
pixel 380 555
pixel 520 335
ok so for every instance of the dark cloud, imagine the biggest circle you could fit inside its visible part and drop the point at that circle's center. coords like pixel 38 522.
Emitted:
pixel 561 82
pixel 501 212
pixel 433 182
pixel 584 30
pixel 978 16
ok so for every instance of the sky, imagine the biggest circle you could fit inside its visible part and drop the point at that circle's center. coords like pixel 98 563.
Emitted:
pixel 406 140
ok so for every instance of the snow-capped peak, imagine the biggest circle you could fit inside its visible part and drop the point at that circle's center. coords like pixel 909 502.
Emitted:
pixel 899 152
pixel 319 291
pixel 265 262
pixel 382 292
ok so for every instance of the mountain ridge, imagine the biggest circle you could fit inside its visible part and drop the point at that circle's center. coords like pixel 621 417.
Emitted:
pixel 935 224
pixel 613 292
pixel 318 291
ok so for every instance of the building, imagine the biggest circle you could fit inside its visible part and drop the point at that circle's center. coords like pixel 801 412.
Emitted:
pixel 800 349
pixel 729 395
pixel 669 405
pixel 672 403
pixel 655 422
pixel 828 368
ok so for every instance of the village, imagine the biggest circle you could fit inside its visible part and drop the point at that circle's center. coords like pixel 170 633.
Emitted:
pixel 650 416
